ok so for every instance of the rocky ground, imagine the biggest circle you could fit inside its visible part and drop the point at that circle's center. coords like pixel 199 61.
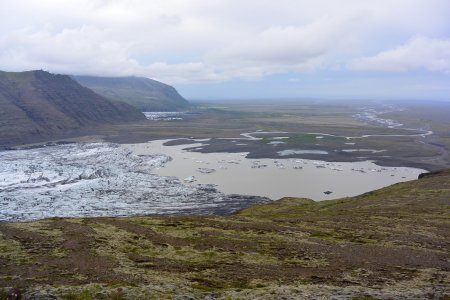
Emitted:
pixel 388 244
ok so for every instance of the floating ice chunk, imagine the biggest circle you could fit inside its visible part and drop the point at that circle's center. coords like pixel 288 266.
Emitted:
pixel 189 179
pixel 293 152
pixel 206 170
pixel 363 150
pixel 234 162
pixel 257 165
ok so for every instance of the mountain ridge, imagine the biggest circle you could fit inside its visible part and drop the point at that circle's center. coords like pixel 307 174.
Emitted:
pixel 143 93
pixel 36 105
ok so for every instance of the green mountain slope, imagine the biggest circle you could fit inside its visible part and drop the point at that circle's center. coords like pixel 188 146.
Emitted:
pixel 38 105
pixel 392 243
pixel 143 93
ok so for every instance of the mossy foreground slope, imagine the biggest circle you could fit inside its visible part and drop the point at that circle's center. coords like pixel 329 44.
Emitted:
pixel 390 243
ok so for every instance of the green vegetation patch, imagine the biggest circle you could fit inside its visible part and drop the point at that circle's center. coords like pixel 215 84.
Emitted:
pixel 103 292
pixel 310 139
pixel 43 227
pixel 285 207
pixel 13 251
pixel 185 230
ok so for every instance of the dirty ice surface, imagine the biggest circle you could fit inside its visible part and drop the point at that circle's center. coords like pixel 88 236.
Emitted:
pixel 164 115
pixel 274 178
pixel 100 179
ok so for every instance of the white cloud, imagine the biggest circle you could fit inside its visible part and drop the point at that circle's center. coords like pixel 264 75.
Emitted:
pixel 419 53
pixel 84 49
pixel 285 45
pixel 183 73
pixel 193 41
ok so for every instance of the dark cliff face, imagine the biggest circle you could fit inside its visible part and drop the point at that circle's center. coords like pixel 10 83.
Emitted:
pixel 37 104
pixel 143 93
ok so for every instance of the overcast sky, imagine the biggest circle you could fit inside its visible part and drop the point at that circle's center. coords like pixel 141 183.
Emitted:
pixel 387 49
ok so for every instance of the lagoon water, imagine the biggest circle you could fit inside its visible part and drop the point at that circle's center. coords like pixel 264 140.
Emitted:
pixel 232 173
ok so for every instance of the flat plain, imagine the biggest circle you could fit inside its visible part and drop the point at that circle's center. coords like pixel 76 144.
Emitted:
pixel 336 122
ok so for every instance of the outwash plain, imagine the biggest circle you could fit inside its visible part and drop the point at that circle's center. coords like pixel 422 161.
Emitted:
pixel 421 139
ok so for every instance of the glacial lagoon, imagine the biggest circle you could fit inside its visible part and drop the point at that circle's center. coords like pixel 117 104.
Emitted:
pixel 105 179
pixel 233 173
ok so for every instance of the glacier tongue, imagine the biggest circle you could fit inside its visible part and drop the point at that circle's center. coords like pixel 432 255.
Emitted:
pixel 100 179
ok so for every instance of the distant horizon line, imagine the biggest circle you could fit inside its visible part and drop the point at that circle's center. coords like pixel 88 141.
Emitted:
pixel 298 99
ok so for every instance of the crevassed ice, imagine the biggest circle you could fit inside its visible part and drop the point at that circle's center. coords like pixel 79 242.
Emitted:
pixel 99 179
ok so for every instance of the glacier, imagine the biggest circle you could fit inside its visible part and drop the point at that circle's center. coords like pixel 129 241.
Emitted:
pixel 100 179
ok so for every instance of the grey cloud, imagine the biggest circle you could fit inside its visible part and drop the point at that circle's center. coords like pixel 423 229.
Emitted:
pixel 419 53
pixel 209 41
